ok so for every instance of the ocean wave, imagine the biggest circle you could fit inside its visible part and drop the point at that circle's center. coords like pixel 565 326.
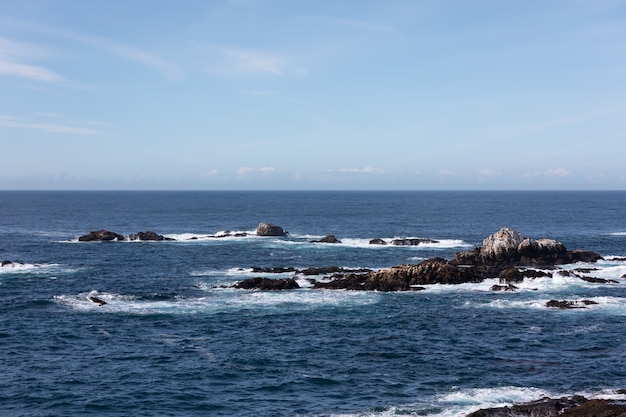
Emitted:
pixel 28 268
pixel 461 402
pixel 217 301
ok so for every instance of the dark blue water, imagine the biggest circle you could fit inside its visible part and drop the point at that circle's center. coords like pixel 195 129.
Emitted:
pixel 173 340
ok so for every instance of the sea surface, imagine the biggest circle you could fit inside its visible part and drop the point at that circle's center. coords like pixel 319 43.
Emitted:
pixel 174 338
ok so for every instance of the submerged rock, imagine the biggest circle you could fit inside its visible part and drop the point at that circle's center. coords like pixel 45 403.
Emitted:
pixel 101 236
pixel 269 229
pixel 6 263
pixel 412 241
pixel 567 304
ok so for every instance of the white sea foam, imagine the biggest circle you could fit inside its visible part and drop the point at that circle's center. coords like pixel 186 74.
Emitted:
pixel 216 301
pixel 27 268
pixel 461 402
pixel 607 305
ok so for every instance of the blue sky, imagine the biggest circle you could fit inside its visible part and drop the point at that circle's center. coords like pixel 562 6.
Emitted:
pixel 272 94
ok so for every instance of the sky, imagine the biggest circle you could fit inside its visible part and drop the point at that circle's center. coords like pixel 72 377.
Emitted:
pixel 282 94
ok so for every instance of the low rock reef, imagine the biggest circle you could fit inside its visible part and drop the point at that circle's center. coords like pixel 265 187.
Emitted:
pixel 103 235
pixel 505 254
pixel 573 406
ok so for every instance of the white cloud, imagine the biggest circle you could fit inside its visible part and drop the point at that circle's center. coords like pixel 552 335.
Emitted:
pixel 366 170
pixel 14 122
pixel 120 49
pixel 249 170
pixel 557 172
pixel 210 174
pixel 487 173
pixel 244 170
pixel 257 61
pixel 32 72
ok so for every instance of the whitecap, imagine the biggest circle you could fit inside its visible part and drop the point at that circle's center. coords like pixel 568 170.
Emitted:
pixel 224 300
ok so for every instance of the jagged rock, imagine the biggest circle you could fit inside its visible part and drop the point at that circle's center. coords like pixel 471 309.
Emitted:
pixel 268 229
pixel 377 241
pixel 273 270
pixel 267 284
pixel 545 407
pixel 567 304
pixel 148 235
pixel 97 300
pixel 6 263
pixel 101 236
pixel 507 248
pixel 327 239
pixel 509 287
pixel 412 241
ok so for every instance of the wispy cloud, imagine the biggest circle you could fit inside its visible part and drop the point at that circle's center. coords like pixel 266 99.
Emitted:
pixel 366 170
pixel 488 173
pixel 556 172
pixel 243 171
pixel 13 55
pixel 120 49
pixel 257 61
pixel 32 72
pixel 17 123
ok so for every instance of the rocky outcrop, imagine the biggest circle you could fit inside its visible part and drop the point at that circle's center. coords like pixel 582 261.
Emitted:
pixel 101 236
pixel 327 239
pixel 574 406
pixel 6 263
pixel 267 284
pixel 269 229
pixel 503 255
pixel 507 248
pixel 148 235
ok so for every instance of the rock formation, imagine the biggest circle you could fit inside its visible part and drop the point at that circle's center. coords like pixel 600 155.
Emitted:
pixel 267 284
pixel 327 239
pixel 268 229
pixel 574 406
pixel 148 235
pixel 101 236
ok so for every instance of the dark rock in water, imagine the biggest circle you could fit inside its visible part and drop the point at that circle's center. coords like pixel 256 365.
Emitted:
pixel 331 270
pixel 267 284
pixel 503 254
pixel 273 270
pixel 545 407
pixel 97 300
pixel 509 275
pixel 411 241
pixel 574 406
pixel 598 280
pixel 567 304
pixel 377 241
pixel 327 239
pixel 148 235
pixel 5 263
pixel 101 236
pixel 509 287
pixel 268 229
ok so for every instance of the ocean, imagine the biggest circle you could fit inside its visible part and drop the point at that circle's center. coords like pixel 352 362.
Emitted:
pixel 175 339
